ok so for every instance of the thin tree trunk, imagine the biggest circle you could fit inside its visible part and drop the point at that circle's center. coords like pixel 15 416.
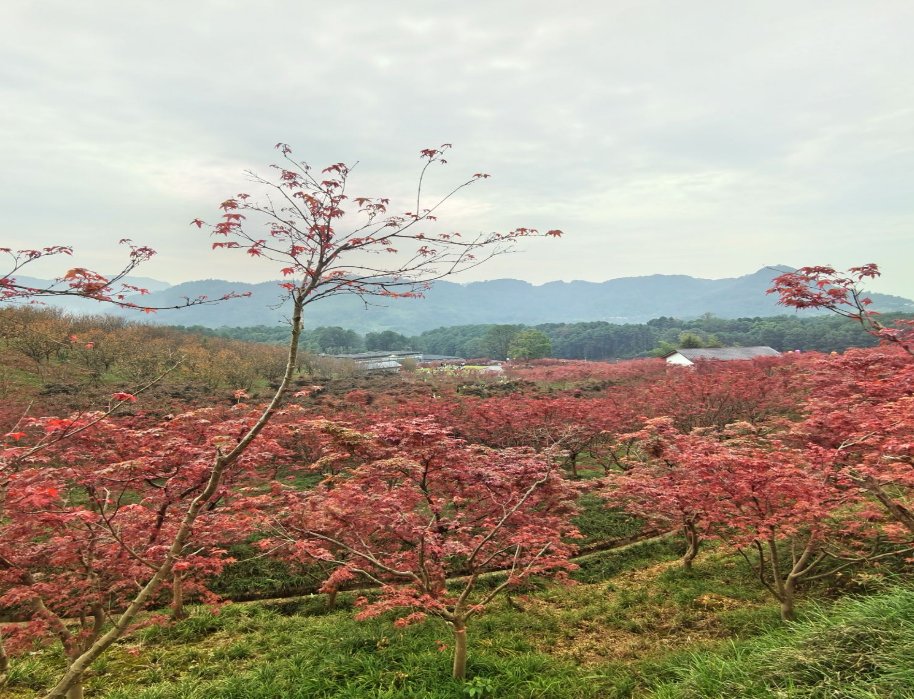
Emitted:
pixel 76 691
pixel 693 541
pixel 460 650
pixel 899 512
pixel 331 598
pixel 787 611
pixel 177 597
pixel 784 588
pixel 4 665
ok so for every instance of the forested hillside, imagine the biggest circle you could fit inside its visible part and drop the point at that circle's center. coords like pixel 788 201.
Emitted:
pixel 591 340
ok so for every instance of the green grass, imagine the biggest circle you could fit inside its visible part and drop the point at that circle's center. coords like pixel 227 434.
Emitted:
pixel 555 642
pixel 255 576
pixel 604 565
pixel 596 522
pixel 855 649
pixel 642 627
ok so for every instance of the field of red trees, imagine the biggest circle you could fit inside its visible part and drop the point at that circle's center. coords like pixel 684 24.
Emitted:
pixel 415 489
pixel 801 463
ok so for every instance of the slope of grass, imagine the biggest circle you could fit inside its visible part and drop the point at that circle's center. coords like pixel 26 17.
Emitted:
pixel 855 649
pixel 641 627
pixel 575 641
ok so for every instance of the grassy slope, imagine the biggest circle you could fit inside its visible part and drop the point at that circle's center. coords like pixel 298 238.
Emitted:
pixel 581 641
pixel 855 649
pixel 638 626
pixel 634 627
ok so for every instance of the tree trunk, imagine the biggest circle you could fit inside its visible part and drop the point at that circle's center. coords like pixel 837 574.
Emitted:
pixel 331 599
pixel 787 613
pixel 177 597
pixel 460 650
pixel 899 512
pixel 787 599
pixel 693 541
pixel 76 691
pixel 573 460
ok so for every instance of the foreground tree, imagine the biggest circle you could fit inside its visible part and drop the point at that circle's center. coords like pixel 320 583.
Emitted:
pixel 859 409
pixel 658 487
pixel 320 258
pixel 424 508
pixel 859 405
pixel 102 517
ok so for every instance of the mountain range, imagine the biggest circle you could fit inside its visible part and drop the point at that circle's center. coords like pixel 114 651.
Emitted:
pixel 623 300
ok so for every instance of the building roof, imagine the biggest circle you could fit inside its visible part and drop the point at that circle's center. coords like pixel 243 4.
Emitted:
pixel 368 356
pixel 399 354
pixel 726 353
pixel 377 366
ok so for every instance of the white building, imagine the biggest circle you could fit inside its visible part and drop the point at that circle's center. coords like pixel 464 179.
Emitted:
pixel 688 357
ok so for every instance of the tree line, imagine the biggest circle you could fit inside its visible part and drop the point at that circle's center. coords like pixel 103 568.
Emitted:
pixel 587 340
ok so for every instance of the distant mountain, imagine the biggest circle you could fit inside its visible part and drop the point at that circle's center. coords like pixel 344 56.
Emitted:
pixel 625 300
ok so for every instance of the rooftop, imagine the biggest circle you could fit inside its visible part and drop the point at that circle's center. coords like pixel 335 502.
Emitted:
pixel 726 353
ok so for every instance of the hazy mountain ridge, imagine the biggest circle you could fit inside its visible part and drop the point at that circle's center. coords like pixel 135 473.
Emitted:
pixel 622 300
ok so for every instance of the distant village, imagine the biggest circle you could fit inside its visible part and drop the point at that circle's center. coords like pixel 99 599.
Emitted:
pixel 396 360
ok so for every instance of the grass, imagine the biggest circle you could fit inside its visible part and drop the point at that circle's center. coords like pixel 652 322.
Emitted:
pixel 596 522
pixel 635 626
pixel 855 649
pixel 584 640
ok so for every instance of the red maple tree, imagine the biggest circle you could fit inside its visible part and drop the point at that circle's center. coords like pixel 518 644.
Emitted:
pixel 423 508
pixel 84 283
pixel 798 517
pixel 841 293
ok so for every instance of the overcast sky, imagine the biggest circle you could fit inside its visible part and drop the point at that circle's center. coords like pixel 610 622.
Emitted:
pixel 702 138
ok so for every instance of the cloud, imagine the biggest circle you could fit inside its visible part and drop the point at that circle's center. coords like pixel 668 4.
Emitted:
pixel 703 138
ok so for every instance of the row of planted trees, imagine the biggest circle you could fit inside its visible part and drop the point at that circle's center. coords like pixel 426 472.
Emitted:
pixel 806 493
pixel 406 505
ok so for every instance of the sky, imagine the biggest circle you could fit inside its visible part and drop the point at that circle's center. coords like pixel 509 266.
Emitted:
pixel 708 138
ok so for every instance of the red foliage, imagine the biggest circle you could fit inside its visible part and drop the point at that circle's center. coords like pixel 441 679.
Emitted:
pixel 85 283
pixel 305 237
pixel 100 508
pixel 755 492
pixel 109 523
pixel 422 507
pixel 841 293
